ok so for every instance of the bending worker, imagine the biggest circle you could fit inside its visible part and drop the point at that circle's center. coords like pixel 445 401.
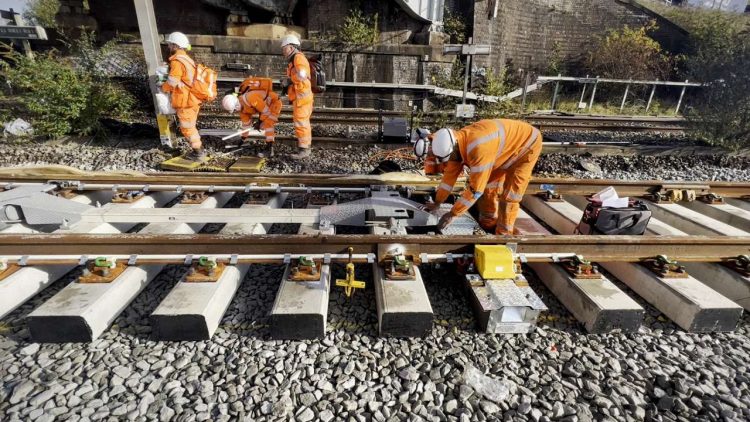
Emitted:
pixel 500 155
pixel 256 97
pixel 181 74
pixel 299 90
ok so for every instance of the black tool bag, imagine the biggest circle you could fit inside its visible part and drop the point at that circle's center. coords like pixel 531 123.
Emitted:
pixel 630 220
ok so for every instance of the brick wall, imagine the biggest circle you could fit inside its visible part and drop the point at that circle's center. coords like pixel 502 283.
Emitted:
pixel 526 32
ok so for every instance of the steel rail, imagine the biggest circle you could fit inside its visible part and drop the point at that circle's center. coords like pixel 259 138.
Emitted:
pixel 593 248
pixel 240 182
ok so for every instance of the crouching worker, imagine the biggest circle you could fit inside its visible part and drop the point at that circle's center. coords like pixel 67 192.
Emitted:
pixel 256 96
pixel 500 155
pixel 182 71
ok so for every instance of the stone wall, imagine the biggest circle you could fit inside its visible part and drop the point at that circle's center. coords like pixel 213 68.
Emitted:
pixel 525 33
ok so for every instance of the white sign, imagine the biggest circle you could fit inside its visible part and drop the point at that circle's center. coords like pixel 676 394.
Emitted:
pixel 465 111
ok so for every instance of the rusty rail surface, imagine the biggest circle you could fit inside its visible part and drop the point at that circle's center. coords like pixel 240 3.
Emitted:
pixel 593 248
pixel 239 182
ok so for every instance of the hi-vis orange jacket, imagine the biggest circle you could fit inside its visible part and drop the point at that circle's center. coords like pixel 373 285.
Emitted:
pixel 298 70
pixel 489 148
pixel 181 74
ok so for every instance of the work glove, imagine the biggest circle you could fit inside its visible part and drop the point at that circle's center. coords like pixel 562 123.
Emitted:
pixel 285 84
pixel 431 206
pixel 256 125
pixel 445 221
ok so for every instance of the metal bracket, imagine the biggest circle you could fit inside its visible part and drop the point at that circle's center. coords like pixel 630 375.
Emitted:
pixel 193 197
pixel 126 197
pixel 550 196
pixel 233 259
pixel 305 270
pixel 188 259
pixel 663 267
pixel 102 270
pixel 327 259
pixel 287 258
pixel 712 199
pixel 740 264
pixel 258 198
pixel 205 270
pixel 580 268
pixel 399 267
pixel 132 260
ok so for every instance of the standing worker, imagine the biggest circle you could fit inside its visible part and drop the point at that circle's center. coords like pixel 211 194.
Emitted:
pixel 182 70
pixel 256 96
pixel 500 155
pixel 299 89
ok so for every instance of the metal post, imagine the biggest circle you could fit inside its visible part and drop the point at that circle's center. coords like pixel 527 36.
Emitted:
pixel 144 10
pixel 525 91
pixel 583 94
pixel 651 97
pixel 593 94
pixel 466 74
pixel 624 97
pixel 682 94
pixel 18 20
pixel 554 96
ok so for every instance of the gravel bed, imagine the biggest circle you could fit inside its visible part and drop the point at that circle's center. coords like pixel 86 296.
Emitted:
pixel 556 373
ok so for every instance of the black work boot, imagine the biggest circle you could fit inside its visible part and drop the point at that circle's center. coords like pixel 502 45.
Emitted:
pixel 199 155
pixel 301 154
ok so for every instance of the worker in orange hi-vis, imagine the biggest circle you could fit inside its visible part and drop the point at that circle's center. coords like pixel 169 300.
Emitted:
pixel 500 155
pixel 256 97
pixel 298 88
pixel 181 74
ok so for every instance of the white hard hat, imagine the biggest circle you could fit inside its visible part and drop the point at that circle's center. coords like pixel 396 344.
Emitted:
pixel 443 143
pixel 290 39
pixel 230 103
pixel 178 38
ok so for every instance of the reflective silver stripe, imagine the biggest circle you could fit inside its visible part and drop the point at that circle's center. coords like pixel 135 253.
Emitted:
pixel 523 151
pixel 269 138
pixel 501 147
pixel 297 123
pixel 273 118
pixel 244 101
pixel 187 125
pixel 189 67
pixel 483 140
pixel 304 94
pixel 246 124
pixel 514 196
pixel 445 186
pixel 269 130
pixel 305 138
pixel 195 137
pixel 486 215
pixel 477 169
pixel 492 185
pixel 302 74
pixel 173 81
pixel 466 202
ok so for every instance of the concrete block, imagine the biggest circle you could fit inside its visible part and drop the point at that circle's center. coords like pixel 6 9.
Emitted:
pixel 404 308
pixel 300 310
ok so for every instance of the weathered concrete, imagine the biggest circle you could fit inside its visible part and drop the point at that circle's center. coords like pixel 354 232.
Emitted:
pixel 725 213
pixel 404 309
pixel 598 304
pixel 300 310
pixel 193 311
pixel 693 222
pixel 689 303
pixel 81 312
pixel 27 282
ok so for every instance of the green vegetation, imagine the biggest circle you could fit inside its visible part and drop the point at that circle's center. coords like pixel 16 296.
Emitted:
pixel 629 53
pixel 42 12
pixel 358 29
pixel 454 27
pixel 65 95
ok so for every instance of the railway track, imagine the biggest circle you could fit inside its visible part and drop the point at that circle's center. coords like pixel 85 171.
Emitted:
pixel 692 264
pixel 369 117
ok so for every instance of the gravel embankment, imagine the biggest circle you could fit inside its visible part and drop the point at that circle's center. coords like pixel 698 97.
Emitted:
pixel 558 372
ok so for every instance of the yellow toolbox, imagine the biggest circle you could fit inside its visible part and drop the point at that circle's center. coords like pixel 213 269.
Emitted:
pixel 494 262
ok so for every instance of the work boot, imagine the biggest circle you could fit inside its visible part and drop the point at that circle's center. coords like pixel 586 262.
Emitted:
pixel 199 156
pixel 301 154
pixel 267 151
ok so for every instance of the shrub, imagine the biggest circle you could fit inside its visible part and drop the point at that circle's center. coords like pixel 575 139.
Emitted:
pixel 42 12
pixel 629 53
pixel 454 27
pixel 64 95
pixel 358 29
pixel 495 83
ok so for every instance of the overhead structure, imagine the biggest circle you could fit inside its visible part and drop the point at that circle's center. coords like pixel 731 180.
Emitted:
pixel 427 11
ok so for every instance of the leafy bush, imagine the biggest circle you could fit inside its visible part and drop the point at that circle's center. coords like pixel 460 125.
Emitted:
pixel 65 95
pixel 42 12
pixel 629 53
pixel 719 56
pixel 454 27
pixel 358 29
pixel 495 83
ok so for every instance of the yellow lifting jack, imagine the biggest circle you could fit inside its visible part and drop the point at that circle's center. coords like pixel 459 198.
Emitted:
pixel 350 283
